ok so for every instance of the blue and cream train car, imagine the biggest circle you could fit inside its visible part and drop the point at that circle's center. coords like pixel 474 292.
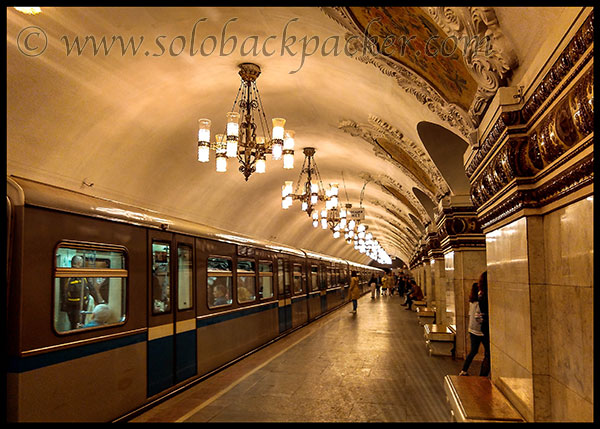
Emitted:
pixel 111 307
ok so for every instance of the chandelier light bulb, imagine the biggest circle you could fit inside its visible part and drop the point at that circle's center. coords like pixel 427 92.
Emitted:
pixel 323 223
pixel 233 124
pixel 351 224
pixel 261 166
pixel 288 161
pixel 204 130
pixel 336 234
pixel 334 189
pixel 315 215
pixel 288 187
pixel 361 228
pixel 288 150
pixel 231 148
pixel 276 150
pixel 315 223
pixel 203 152
pixel 221 163
pixel 304 206
pixel 278 131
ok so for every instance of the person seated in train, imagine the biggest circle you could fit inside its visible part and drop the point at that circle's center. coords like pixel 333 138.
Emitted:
pixel 220 295
pixel 244 294
pixel 100 316
pixel 75 295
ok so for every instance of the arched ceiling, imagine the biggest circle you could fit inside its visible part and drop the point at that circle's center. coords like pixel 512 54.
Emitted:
pixel 128 123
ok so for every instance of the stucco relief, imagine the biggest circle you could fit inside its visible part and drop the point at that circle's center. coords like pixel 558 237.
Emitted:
pixel 404 154
pixel 406 226
pixel 491 62
pixel 396 190
pixel 406 78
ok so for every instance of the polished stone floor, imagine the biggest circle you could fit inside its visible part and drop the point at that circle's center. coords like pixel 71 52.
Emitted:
pixel 371 366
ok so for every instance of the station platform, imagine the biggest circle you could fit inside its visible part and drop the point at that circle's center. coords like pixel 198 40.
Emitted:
pixel 371 366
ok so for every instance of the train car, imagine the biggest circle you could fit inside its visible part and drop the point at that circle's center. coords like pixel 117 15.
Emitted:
pixel 111 307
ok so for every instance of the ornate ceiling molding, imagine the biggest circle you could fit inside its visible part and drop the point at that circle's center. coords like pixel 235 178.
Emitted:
pixel 408 80
pixel 385 182
pixel 378 128
pixel 397 213
pixel 419 155
pixel 489 62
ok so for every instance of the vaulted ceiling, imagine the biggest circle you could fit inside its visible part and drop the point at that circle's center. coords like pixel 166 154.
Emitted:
pixel 390 117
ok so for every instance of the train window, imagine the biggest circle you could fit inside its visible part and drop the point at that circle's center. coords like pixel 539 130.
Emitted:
pixel 286 271
pixel 280 277
pixel 297 275
pixel 265 279
pixel 185 272
pixel 246 280
pixel 314 277
pixel 161 277
pixel 89 287
pixel 328 274
pixel 219 281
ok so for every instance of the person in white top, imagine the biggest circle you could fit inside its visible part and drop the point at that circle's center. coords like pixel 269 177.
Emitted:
pixel 475 332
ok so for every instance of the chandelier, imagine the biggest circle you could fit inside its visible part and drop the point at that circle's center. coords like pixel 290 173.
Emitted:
pixel 312 189
pixel 241 138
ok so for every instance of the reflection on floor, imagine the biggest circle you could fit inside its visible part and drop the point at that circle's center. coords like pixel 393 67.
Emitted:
pixel 371 366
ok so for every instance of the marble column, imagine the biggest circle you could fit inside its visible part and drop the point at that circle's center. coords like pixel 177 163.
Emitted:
pixel 532 184
pixel 463 245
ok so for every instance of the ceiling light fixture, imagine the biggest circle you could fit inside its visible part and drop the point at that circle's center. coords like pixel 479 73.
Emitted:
pixel 240 138
pixel 29 10
pixel 312 189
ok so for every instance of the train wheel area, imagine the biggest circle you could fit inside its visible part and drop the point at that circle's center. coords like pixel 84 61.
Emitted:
pixel 368 366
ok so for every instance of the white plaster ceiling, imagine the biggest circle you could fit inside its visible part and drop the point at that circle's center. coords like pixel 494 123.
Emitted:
pixel 128 124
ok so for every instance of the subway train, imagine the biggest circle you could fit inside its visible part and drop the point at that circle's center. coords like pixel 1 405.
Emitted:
pixel 111 308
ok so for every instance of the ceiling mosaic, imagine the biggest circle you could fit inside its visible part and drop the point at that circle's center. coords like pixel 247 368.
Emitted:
pixel 412 38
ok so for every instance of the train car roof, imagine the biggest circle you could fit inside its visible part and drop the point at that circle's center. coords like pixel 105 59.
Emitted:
pixel 33 193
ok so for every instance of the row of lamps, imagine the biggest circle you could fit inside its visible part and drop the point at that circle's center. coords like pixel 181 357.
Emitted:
pixel 240 140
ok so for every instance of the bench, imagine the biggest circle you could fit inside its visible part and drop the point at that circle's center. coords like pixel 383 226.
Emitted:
pixel 475 399
pixel 425 315
pixel 417 304
pixel 439 340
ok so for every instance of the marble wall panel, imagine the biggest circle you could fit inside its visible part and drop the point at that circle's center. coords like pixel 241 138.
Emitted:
pixel 568 238
pixel 568 234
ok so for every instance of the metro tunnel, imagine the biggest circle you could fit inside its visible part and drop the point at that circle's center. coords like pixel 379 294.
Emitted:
pixel 222 214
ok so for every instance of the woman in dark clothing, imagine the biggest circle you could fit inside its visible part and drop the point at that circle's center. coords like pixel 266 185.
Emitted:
pixel 485 323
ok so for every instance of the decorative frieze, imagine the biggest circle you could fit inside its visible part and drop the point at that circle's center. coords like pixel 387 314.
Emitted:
pixel 567 124
pixel 572 59
pixel 459 228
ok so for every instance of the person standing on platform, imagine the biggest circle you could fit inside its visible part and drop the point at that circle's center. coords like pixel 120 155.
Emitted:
pixel 475 334
pixel 378 286
pixel 354 291
pixel 373 285
pixel 485 323
pixel 384 284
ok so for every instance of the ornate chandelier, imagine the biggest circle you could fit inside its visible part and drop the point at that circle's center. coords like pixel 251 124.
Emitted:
pixel 312 189
pixel 241 139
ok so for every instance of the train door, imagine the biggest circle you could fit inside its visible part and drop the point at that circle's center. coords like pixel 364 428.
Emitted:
pixel 172 313
pixel 284 294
